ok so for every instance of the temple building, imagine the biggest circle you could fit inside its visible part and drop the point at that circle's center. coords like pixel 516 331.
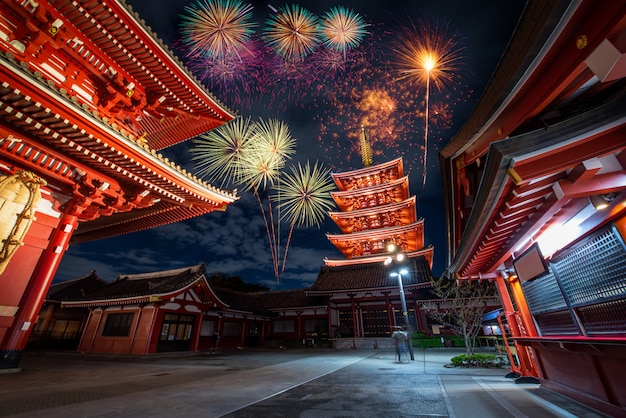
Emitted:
pixel 375 211
pixel 167 311
pixel 356 301
pixel 88 97
pixel 535 188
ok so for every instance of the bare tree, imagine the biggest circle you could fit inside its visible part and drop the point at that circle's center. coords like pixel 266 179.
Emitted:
pixel 461 307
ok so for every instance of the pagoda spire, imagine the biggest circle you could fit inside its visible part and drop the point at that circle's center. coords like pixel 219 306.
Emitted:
pixel 366 148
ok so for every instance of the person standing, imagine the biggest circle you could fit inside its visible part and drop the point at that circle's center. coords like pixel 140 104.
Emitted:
pixel 215 339
pixel 400 339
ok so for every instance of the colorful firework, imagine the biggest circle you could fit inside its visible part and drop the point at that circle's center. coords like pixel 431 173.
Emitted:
pixel 217 28
pixel 305 198
pixel 292 32
pixel 305 195
pixel 219 153
pixel 237 80
pixel 250 155
pixel 273 138
pixel 428 52
pixel 366 97
pixel 342 29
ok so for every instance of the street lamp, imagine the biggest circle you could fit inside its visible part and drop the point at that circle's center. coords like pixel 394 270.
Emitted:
pixel 399 257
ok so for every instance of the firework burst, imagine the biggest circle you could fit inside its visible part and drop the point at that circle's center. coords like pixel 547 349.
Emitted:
pixel 292 32
pixel 428 52
pixel 305 197
pixel 217 28
pixel 342 29
pixel 236 79
pixel 219 154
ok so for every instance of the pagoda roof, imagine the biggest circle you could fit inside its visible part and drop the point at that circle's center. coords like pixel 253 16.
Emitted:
pixel 162 286
pixel 426 252
pixel 149 92
pixel 370 276
pixel 52 131
pixel 340 178
pixel 403 182
pixel 406 208
pixel 412 235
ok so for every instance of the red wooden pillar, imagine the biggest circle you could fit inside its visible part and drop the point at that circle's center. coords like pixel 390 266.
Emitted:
pixel 36 290
pixel 527 365
pixel 419 320
pixel 195 342
pixel 244 322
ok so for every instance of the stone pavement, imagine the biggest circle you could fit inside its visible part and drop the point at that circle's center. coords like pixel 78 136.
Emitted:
pixel 270 383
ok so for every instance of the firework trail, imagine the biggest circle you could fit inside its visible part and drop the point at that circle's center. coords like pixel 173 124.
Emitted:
pixel 428 52
pixel 217 28
pixel 252 155
pixel 292 32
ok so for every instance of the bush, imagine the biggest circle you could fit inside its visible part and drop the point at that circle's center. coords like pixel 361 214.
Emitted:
pixel 421 340
pixel 478 360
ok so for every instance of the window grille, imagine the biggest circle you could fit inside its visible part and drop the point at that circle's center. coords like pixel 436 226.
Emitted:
pixel 556 323
pixel 594 271
pixel 543 295
pixel 117 325
pixel 607 318
pixel 592 274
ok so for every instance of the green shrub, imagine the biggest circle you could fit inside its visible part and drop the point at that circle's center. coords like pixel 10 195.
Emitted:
pixel 478 360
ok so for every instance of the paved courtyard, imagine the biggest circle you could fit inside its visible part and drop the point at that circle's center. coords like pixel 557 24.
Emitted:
pixel 269 383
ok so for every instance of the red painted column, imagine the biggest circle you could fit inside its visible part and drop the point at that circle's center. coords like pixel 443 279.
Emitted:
pixel 527 366
pixel 195 342
pixel 391 316
pixel 39 284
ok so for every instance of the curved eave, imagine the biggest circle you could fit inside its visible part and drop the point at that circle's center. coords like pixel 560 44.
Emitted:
pixel 192 90
pixel 376 210
pixel 149 298
pixel 378 233
pixel 379 258
pixel 340 177
pixel 527 79
pixel 401 185
pixel 113 64
pixel 399 213
pixel 402 181
pixel 44 112
pixel 540 179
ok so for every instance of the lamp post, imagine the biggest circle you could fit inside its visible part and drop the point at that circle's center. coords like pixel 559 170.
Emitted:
pixel 399 257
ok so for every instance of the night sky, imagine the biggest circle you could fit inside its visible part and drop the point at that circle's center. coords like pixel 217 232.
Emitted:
pixel 324 123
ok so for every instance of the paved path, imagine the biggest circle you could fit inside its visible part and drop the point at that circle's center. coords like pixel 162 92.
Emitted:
pixel 269 383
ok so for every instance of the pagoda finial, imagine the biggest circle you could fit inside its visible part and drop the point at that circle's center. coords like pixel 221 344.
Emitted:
pixel 366 148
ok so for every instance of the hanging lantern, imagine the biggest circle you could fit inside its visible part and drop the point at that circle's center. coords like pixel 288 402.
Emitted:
pixel 19 197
